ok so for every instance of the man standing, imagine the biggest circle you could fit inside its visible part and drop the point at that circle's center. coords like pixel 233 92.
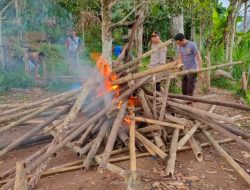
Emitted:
pixel 73 44
pixel 159 57
pixel 191 59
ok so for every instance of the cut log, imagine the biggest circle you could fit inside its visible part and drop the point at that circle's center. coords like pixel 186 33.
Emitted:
pixel 21 178
pixel 156 122
pixel 195 147
pixel 113 134
pixel 196 110
pixel 149 72
pixel 213 102
pixel 172 153
pixel 98 140
pixel 187 136
pixel 221 73
pixel 228 158
pixel 39 111
pixel 148 143
pixel 32 132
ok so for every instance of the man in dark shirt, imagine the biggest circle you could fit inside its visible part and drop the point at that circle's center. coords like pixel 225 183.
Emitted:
pixel 191 59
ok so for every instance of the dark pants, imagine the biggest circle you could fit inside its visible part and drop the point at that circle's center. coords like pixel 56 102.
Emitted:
pixel 188 84
pixel 158 86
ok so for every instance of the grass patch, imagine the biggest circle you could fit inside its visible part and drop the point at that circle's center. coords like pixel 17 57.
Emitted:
pixel 223 83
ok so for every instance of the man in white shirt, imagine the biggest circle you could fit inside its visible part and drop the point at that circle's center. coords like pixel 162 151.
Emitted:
pixel 159 57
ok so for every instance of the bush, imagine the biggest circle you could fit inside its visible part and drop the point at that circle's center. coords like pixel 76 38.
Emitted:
pixel 14 79
pixel 223 83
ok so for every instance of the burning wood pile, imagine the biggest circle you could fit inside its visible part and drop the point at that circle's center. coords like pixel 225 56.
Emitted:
pixel 126 115
pixel 123 114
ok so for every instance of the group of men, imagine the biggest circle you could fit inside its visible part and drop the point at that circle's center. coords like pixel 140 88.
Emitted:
pixel 73 46
pixel 188 55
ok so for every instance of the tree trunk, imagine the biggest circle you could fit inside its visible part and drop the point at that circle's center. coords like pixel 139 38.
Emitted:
pixel 201 36
pixel 177 24
pixel 140 29
pixel 192 38
pixel 106 32
pixel 245 18
pixel 1 44
pixel 18 19
pixel 231 29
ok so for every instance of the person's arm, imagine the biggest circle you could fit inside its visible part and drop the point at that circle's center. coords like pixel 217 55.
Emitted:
pixel 163 55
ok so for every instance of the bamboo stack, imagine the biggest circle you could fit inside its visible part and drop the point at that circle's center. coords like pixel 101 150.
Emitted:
pixel 139 122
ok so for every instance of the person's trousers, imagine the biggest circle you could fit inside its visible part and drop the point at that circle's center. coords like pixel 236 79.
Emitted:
pixel 188 84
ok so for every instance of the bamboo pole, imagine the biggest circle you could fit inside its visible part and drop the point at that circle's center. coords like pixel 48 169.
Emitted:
pixel 132 145
pixel 187 136
pixel 96 144
pixel 180 121
pixel 215 125
pixel 16 116
pixel 172 153
pixel 113 135
pixel 156 122
pixel 197 150
pixel 39 111
pixel 113 168
pixel 144 104
pixel 148 143
pixel 150 129
pixel 147 54
pixel 21 179
pixel 85 149
pixel 196 110
pixel 149 72
pixel 27 135
pixel 37 103
pixel 174 75
pixel 228 158
pixel 213 102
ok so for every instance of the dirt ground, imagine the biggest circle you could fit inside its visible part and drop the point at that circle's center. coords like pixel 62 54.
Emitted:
pixel 214 173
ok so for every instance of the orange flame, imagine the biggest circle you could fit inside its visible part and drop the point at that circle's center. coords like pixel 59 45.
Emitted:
pixel 104 69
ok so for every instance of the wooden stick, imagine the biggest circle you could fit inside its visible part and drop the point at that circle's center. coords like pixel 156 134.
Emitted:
pixel 147 54
pixel 33 131
pixel 174 75
pixel 156 122
pixel 16 116
pixel 96 144
pixel 213 102
pixel 113 168
pixel 132 145
pixel 227 157
pixel 113 134
pixel 188 135
pixel 148 143
pixel 197 150
pixel 144 104
pixel 181 121
pixel 172 153
pixel 21 179
pixel 150 129
pixel 39 111
pixel 85 149
pixel 196 110
pixel 215 125
pixel 149 72
pixel 164 103
pixel 39 102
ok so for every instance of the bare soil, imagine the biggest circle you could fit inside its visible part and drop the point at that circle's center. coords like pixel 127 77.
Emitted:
pixel 214 173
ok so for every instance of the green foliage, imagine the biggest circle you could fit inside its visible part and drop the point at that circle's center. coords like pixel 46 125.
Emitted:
pixel 58 85
pixel 173 88
pixel 223 83
pixel 14 79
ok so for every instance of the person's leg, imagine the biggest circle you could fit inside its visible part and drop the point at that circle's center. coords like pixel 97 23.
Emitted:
pixel 191 84
pixel 184 84
pixel 158 86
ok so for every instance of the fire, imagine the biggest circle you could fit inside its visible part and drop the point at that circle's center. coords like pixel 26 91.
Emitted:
pixel 104 69
pixel 127 120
